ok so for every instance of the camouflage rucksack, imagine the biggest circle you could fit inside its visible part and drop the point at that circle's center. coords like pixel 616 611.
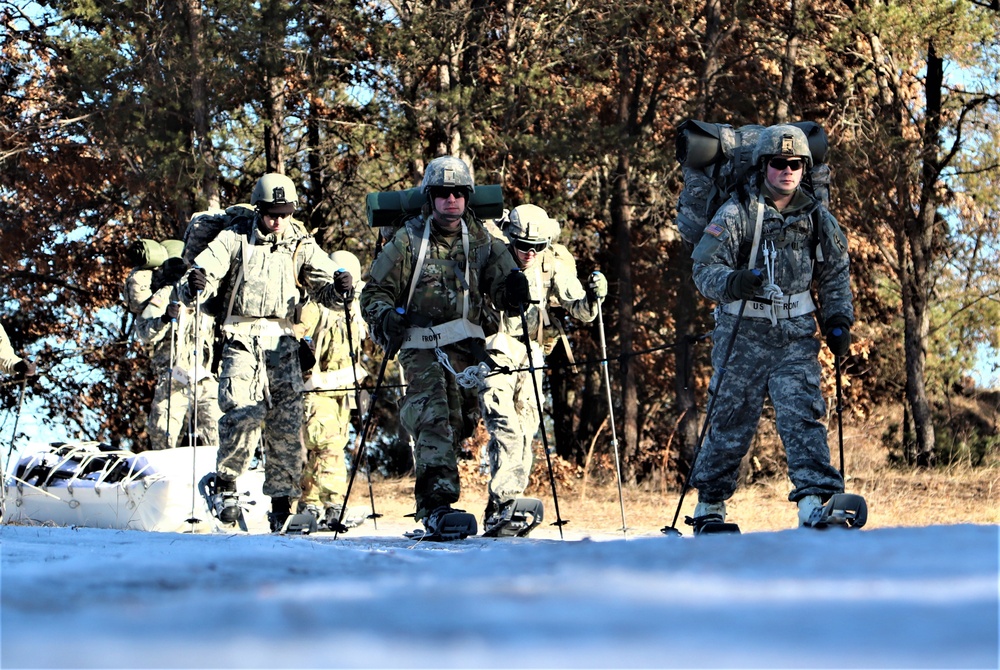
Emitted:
pixel 717 158
pixel 205 226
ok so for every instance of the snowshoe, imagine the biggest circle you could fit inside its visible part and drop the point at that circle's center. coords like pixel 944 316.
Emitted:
pixel 445 524
pixel 842 510
pixel 711 524
pixel 303 523
pixel 515 518
pixel 223 504
pixel 352 518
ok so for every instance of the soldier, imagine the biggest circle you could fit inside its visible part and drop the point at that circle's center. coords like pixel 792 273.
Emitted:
pixel 800 246
pixel 510 409
pixel 11 363
pixel 258 264
pixel 331 394
pixel 169 330
pixel 426 294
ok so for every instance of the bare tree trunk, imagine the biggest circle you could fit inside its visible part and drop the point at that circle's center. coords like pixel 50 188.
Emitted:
pixel 272 56
pixel 917 290
pixel 202 143
pixel 687 304
pixel 788 62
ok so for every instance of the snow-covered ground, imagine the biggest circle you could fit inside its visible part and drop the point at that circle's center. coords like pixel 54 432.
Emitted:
pixel 882 598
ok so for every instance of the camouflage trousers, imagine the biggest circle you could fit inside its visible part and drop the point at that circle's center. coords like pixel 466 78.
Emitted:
pixel 779 361
pixel 438 414
pixel 327 428
pixel 510 412
pixel 260 395
pixel 177 397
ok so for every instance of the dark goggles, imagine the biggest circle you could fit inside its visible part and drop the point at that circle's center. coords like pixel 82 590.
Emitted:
pixel 781 163
pixel 525 246
pixel 445 191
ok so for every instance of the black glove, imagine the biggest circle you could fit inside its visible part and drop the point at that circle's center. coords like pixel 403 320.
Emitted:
pixel 344 283
pixel 307 354
pixel 393 325
pixel 516 290
pixel 197 280
pixel 173 311
pixel 173 269
pixel 838 337
pixel 743 284
pixel 25 368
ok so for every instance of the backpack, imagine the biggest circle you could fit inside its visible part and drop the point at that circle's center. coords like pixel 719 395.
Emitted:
pixel 392 208
pixel 205 226
pixel 717 159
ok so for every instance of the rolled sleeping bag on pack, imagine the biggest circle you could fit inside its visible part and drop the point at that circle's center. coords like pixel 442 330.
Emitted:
pixel 819 143
pixel 698 144
pixel 146 254
pixel 174 248
pixel 389 208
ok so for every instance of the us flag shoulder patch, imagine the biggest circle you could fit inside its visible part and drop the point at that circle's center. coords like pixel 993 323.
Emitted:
pixel 713 229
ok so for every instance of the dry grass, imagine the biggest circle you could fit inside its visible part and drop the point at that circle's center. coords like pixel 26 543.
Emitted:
pixel 895 496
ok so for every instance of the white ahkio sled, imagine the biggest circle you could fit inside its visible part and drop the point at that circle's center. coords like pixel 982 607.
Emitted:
pixel 89 484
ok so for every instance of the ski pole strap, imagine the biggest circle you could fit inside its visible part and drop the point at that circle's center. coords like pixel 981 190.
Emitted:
pixel 797 304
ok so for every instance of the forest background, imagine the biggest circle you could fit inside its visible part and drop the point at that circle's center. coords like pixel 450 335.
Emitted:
pixel 121 118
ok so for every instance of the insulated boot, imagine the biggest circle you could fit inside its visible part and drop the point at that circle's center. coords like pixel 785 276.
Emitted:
pixel 810 509
pixel 281 508
pixel 710 518
pixel 450 524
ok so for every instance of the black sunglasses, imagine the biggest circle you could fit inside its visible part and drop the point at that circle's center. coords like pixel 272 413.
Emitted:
pixel 782 163
pixel 526 246
pixel 445 191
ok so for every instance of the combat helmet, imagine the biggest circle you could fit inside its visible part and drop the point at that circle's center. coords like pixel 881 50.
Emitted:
pixel 447 171
pixel 530 223
pixel 345 260
pixel 782 140
pixel 274 193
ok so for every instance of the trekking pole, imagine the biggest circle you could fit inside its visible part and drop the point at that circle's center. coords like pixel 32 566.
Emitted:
pixel 840 415
pixel 357 401
pixel 193 408
pixel 611 414
pixel 672 528
pixel 359 442
pixel 10 452
pixel 559 522
pixel 170 376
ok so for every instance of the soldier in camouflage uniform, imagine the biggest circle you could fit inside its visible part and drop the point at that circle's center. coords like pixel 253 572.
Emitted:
pixel 426 294
pixel 510 409
pixel 800 246
pixel 258 263
pixel 330 387
pixel 11 363
pixel 168 329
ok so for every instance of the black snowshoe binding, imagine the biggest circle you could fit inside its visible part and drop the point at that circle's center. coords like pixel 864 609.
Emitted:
pixel 445 524
pixel 711 524
pixel 842 510
pixel 222 499
pixel 283 522
pixel 515 518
